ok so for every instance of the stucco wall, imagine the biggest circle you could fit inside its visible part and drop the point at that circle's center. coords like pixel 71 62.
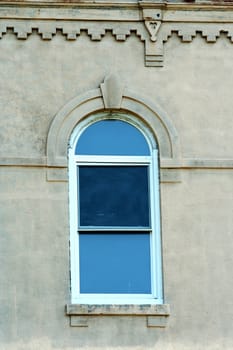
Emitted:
pixel 194 87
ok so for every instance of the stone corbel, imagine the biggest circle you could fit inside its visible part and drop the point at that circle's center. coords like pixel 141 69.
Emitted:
pixel 154 50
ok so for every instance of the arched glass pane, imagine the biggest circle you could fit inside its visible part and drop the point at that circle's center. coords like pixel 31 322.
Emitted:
pixel 112 137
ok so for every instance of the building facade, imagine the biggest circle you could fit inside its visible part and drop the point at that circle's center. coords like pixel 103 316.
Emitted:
pixel 116 175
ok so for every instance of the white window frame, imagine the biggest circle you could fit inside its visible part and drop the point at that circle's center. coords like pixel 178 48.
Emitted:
pixel 156 297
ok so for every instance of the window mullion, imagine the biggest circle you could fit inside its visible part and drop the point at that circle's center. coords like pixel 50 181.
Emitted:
pixel 112 160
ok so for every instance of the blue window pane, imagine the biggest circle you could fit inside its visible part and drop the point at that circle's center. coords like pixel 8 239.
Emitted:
pixel 115 263
pixel 113 196
pixel 112 137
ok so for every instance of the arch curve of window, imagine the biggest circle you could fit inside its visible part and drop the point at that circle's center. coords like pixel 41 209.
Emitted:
pixel 132 121
pixel 91 102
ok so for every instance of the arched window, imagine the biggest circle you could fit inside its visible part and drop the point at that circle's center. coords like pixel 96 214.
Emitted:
pixel 114 212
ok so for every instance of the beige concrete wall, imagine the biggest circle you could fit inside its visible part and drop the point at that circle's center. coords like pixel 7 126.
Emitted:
pixel 194 87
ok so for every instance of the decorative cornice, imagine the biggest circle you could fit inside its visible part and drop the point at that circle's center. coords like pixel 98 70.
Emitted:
pixel 132 11
pixel 153 40
pixel 153 23
pixel 165 4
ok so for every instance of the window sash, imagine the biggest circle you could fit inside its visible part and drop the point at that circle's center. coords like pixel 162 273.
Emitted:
pixel 118 214
pixel 115 263
pixel 156 297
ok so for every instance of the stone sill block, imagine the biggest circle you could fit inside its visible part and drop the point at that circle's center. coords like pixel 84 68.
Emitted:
pixel 156 315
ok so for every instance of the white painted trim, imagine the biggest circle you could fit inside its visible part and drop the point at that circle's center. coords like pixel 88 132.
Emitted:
pixel 101 160
pixel 74 239
pixel 156 226
pixel 119 299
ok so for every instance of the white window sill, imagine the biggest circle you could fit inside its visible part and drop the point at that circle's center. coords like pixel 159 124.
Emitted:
pixel 156 315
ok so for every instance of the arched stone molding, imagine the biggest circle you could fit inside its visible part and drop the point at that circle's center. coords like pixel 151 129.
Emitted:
pixel 64 122
pixel 159 123
pixel 92 102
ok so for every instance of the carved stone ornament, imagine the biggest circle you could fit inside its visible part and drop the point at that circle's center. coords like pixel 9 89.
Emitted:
pixel 152 22
pixel 112 91
pixel 153 28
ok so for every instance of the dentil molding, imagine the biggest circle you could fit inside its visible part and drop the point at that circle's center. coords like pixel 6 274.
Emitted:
pixel 153 23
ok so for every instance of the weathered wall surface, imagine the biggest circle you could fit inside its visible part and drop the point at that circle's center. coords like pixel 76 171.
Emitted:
pixel 194 87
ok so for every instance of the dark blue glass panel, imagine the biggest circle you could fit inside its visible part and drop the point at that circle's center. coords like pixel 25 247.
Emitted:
pixel 112 137
pixel 115 263
pixel 113 196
